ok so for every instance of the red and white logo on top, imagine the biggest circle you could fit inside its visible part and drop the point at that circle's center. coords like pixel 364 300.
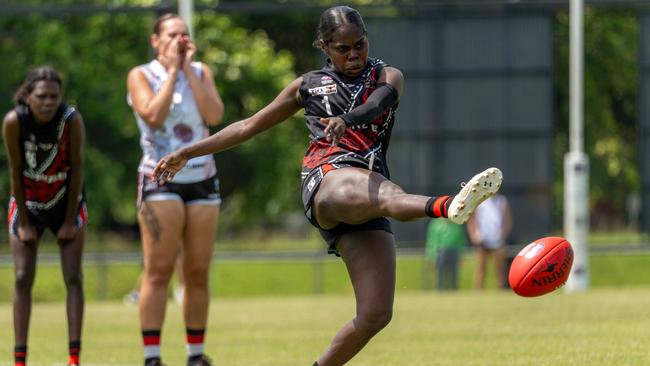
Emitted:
pixel 531 250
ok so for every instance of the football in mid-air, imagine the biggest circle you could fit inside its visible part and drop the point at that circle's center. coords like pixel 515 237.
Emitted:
pixel 541 267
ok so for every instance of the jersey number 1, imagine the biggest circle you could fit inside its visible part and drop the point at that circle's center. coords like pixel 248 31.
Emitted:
pixel 328 108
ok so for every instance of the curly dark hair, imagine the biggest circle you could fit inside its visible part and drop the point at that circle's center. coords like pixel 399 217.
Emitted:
pixel 40 73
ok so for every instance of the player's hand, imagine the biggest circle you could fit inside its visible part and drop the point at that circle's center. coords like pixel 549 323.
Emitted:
pixel 189 49
pixel 27 233
pixel 173 54
pixel 168 166
pixel 334 129
pixel 66 233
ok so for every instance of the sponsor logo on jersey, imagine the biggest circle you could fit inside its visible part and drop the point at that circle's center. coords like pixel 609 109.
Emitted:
pixel 49 179
pixel 323 90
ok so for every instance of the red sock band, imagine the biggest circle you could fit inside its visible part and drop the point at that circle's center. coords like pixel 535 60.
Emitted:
pixel 195 336
pixel 151 337
pixel 437 206
pixel 445 206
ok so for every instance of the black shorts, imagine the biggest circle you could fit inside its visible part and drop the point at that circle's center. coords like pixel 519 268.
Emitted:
pixel 205 192
pixel 310 184
pixel 46 219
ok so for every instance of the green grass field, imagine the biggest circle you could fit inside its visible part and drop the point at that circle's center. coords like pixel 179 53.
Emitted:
pixel 600 327
pixel 265 313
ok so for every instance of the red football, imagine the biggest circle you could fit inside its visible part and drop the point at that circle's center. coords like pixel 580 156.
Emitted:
pixel 541 267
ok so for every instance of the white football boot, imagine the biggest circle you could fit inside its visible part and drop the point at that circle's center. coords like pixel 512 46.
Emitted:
pixel 482 186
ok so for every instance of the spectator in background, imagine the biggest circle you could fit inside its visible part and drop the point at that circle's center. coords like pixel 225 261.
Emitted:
pixel 44 140
pixel 444 245
pixel 175 100
pixel 488 231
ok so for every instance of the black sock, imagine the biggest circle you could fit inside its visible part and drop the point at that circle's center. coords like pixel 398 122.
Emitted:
pixel 20 354
pixel 74 348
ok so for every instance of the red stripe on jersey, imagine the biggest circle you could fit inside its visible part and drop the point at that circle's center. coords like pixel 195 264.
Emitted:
pixel 83 215
pixel 327 168
pixel 13 206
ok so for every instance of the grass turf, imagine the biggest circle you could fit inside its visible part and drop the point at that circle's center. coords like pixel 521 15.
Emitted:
pixel 603 326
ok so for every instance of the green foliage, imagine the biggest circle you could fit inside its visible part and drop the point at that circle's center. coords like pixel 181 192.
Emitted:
pixel 94 53
pixel 610 109
pixel 261 178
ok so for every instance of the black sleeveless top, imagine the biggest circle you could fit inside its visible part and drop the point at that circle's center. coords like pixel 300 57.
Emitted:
pixel 45 150
pixel 326 93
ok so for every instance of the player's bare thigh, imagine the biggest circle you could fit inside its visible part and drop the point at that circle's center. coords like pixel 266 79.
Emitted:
pixel 200 234
pixel 161 228
pixel 352 195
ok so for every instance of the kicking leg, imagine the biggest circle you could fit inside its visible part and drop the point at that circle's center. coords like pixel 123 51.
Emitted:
pixel 355 195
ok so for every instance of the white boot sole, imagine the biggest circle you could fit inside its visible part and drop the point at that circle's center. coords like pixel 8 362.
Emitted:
pixel 481 187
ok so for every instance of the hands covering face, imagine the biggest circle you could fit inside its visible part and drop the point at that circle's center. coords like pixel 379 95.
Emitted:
pixel 179 51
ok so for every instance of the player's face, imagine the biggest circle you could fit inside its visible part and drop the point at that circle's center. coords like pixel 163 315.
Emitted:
pixel 171 29
pixel 44 100
pixel 348 49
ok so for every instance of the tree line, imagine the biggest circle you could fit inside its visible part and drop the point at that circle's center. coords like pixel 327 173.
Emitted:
pixel 253 57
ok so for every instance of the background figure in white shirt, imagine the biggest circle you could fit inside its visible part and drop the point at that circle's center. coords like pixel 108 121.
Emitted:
pixel 488 230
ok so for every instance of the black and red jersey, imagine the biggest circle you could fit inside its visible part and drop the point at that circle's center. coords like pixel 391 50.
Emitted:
pixel 327 93
pixel 45 152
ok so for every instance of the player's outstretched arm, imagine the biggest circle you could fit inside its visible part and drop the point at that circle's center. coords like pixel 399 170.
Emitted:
pixel 281 108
